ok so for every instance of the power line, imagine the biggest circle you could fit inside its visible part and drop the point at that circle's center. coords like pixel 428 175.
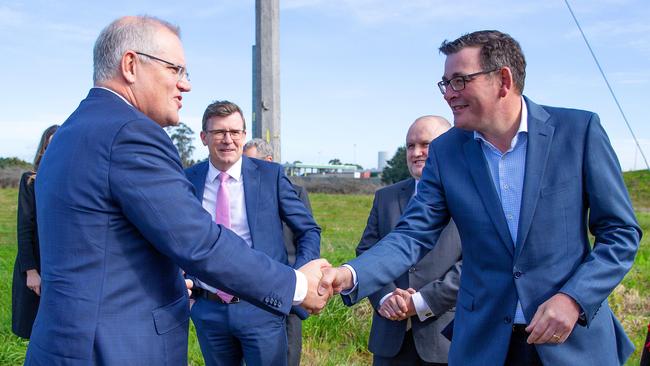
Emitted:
pixel 636 141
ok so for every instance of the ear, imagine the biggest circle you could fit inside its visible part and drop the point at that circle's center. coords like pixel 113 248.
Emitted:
pixel 128 66
pixel 204 138
pixel 507 82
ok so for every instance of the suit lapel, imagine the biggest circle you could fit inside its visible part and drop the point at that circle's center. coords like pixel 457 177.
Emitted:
pixel 405 194
pixel 540 137
pixel 485 188
pixel 251 177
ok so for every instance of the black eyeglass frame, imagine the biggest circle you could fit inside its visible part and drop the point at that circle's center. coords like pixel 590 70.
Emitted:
pixel 181 71
pixel 461 80
pixel 216 133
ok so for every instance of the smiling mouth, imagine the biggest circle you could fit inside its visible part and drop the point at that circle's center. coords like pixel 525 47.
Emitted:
pixel 458 107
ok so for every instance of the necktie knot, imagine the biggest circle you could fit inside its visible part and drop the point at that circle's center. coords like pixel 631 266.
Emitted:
pixel 223 176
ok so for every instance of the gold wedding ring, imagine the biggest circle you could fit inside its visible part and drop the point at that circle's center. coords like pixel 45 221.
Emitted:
pixel 556 338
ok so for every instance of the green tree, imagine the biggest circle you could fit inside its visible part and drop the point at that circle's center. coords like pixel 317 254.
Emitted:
pixel 14 162
pixel 396 170
pixel 334 161
pixel 182 136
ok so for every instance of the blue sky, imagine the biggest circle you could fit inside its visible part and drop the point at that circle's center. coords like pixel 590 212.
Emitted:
pixel 354 73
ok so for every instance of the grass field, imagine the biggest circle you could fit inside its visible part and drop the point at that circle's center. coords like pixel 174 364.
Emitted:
pixel 338 336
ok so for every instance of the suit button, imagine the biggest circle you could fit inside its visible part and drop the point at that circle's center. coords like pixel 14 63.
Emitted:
pixel 412 269
pixel 507 319
pixel 517 274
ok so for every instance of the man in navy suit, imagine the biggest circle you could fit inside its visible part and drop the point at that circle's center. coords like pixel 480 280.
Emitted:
pixel 260 149
pixel 258 199
pixel 411 311
pixel 117 217
pixel 524 183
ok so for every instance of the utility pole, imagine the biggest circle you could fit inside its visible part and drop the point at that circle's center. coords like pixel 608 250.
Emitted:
pixel 266 74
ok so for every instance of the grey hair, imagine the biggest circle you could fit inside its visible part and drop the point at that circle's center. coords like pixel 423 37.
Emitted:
pixel 264 149
pixel 136 33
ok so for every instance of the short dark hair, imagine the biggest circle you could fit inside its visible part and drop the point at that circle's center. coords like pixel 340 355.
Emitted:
pixel 221 108
pixel 497 50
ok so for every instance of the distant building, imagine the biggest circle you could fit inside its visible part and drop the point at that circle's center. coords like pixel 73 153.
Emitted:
pixel 382 160
pixel 301 169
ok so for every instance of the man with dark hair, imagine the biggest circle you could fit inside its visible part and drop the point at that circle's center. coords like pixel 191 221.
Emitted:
pixel 260 149
pixel 117 217
pixel 411 312
pixel 253 198
pixel 524 183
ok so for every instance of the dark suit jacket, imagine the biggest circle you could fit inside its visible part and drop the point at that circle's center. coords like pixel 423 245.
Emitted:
pixel 436 277
pixel 121 218
pixel 290 242
pixel 572 183
pixel 270 200
pixel 24 302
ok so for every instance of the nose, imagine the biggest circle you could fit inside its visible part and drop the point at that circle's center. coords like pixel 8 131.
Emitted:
pixel 184 85
pixel 449 93
pixel 227 139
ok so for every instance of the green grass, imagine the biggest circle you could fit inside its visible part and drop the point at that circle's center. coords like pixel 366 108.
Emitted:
pixel 339 335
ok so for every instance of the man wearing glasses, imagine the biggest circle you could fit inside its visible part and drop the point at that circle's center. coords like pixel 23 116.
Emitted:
pixel 524 183
pixel 117 217
pixel 253 198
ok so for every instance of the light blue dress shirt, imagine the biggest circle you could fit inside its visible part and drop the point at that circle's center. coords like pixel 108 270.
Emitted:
pixel 507 171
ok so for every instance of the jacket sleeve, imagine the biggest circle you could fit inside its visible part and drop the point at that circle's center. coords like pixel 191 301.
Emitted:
pixel 368 239
pixel 611 221
pixel 26 224
pixel 294 213
pixel 147 182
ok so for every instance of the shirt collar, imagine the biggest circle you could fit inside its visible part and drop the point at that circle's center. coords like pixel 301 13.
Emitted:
pixel 234 171
pixel 114 92
pixel 523 126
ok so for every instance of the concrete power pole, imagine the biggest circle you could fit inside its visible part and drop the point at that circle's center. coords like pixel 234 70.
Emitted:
pixel 266 74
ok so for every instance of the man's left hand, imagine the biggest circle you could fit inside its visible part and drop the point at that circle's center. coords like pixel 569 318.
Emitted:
pixel 554 320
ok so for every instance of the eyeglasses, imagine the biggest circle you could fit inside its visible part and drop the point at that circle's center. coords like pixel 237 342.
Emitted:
pixel 181 71
pixel 235 135
pixel 458 82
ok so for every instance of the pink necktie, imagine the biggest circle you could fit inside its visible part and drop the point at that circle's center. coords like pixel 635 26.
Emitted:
pixel 222 216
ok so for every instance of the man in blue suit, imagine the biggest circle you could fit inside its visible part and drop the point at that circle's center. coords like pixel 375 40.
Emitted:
pixel 117 217
pixel 259 199
pixel 523 183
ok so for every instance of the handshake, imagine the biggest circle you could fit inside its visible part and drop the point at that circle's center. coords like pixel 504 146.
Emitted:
pixel 324 281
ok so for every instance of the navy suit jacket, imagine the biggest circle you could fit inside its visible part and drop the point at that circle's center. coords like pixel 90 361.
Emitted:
pixel 270 200
pixel 572 184
pixel 120 219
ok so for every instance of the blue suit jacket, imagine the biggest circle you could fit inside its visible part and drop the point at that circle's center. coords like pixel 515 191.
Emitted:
pixel 119 217
pixel 270 200
pixel 572 183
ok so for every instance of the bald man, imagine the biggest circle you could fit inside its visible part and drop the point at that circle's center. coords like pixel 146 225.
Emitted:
pixel 411 312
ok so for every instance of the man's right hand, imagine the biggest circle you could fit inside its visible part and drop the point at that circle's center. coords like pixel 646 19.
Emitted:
pixel 335 280
pixel 315 301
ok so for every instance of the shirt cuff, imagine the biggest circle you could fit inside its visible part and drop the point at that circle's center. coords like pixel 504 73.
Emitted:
pixel 354 280
pixel 383 299
pixel 301 288
pixel 421 307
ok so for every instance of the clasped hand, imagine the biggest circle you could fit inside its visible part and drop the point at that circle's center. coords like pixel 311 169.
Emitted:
pixel 324 281
pixel 399 305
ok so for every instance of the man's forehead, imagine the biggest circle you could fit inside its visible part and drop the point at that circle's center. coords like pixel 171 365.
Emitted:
pixel 462 62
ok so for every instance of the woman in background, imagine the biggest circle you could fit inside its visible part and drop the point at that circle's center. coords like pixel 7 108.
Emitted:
pixel 26 289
